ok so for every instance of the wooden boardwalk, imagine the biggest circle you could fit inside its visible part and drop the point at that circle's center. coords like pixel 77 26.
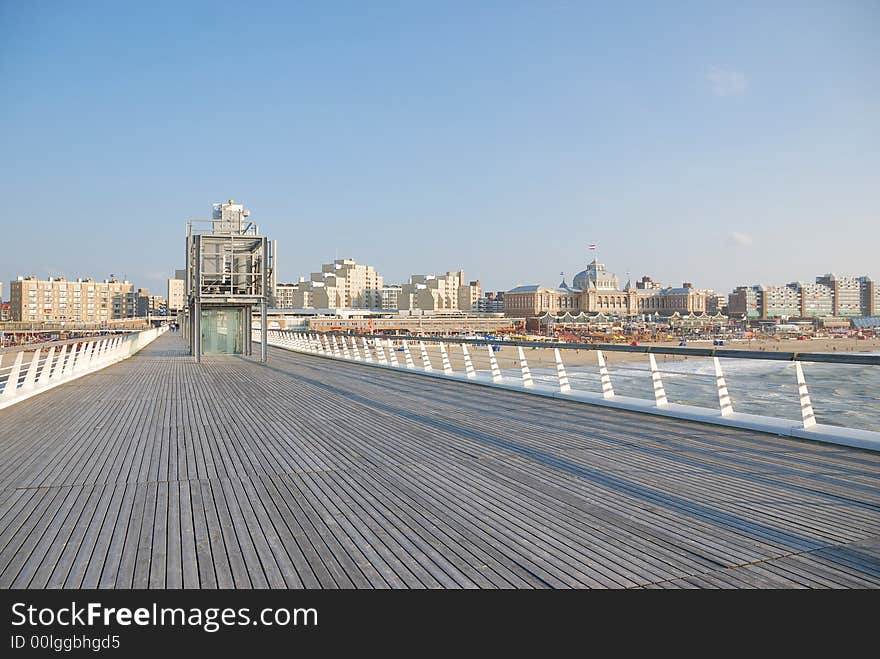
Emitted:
pixel 160 473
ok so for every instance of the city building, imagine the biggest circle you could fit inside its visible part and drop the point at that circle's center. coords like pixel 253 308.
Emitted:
pixel 595 290
pixel 534 300
pixel 829 296
pixel 715 303
pixel 56 299
pixel 491 302
pixel 781 301
pixel 176 293
pixel 595 277
pixel 341 284
pixel 648 284
pixel 432 292
pixel 286 295
pixel 817 300
pixel 5 312
pixel 439 292
pixel 745 302
pixel 469 295
pixel 847 292
pixel 391 296
pixel 149 305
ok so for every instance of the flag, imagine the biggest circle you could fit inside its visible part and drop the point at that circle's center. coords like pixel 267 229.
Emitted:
pixel 592 245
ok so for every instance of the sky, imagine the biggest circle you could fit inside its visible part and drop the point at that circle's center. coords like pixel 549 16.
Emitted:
pixel 713 142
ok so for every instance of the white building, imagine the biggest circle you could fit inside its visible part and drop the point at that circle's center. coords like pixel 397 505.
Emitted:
pixel 391 296
pixel 343 284
pixel 176 297
pixel 437 292
pixel 285 296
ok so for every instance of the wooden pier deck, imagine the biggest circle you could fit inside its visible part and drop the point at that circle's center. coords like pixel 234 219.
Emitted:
pixel 158 472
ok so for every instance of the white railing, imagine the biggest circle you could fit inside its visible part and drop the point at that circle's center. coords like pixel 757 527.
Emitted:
pixel 33 370
pixel 371 350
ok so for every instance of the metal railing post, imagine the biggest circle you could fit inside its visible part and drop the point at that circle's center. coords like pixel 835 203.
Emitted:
pixel 47 367
pixel 426 361
pixel 30 378
pixel 407 356
pixel 526 373
pixel 493 364
pixel 659 391
pixel 58 372
pixel 561 375
pixel 723 396
pixel 11 387
pixel 604 377
pixel 807 414
pixel 468 364
pixel 102 352
pixel 447 366
pixel 72 358
pixel 368 357
pixel 392 353
pixel 380 352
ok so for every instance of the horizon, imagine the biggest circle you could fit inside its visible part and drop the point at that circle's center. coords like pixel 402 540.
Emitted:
pixel 718 146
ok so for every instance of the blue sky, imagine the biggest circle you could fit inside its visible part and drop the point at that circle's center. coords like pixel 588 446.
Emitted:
pixel 719 143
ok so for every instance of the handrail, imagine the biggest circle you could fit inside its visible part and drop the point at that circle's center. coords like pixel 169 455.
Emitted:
pixel 821 357
pixel 351 347
pixel 21 380
pixel 28 347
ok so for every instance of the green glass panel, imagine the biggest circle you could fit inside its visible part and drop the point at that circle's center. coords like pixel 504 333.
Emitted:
pixel 222 331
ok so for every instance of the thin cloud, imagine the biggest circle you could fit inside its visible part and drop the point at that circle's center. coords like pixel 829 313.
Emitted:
pixel 740 239
pixel 727 83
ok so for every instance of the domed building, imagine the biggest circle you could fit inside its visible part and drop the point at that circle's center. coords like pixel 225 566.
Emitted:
pixel 595 290
pixel 597 277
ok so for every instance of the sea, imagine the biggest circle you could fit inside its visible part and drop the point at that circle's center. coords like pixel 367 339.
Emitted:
pixel 842 394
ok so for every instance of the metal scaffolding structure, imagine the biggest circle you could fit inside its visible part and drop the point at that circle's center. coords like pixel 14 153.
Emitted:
pixel 229 269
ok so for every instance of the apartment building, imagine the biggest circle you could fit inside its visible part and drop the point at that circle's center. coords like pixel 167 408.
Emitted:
pixel 817 300
pixel 56 299
pixel 829 295
pixel 285 295
pixel 469 295
pixel 342 284
pixel 781 301
pixel 176 295
pixel 391 296
pixel 149 305
pixel 491 302
pixel 437 292
pixel 847 293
